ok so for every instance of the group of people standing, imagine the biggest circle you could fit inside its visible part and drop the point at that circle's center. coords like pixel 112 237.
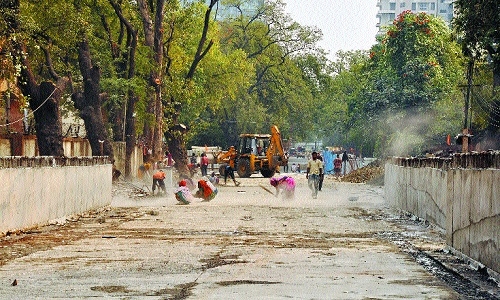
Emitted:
pixel 315 170
pixel 204 161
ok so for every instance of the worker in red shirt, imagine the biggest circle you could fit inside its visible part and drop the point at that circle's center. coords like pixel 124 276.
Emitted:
pixel 158 179
pixel 204 164
pixel 337 166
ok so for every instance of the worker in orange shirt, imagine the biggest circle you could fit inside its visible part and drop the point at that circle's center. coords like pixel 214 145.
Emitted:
pixel 158 179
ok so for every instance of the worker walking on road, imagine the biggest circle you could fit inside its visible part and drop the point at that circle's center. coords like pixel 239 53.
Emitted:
pixel 158 179
pixel 321 174
pixel 229 172
pixel 314 169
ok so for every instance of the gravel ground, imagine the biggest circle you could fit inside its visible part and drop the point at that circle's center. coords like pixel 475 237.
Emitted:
pixel 244 244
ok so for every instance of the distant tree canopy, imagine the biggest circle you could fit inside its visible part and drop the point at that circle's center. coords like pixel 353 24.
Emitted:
pixel 162 65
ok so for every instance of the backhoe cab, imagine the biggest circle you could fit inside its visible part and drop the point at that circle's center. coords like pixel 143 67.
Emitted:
pixel 255 153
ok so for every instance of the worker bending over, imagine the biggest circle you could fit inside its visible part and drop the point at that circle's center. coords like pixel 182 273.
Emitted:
pixel 158 179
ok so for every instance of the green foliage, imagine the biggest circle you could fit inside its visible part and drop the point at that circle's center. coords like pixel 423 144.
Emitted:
pixel 485 101
pixel 266 69
pixel 476 25
pixel 418 49
pixel 413 94
pixel 217 80
pixel 284 59
pixel 55 25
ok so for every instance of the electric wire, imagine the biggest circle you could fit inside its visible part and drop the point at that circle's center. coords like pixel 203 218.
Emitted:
pixel 492 121
pixel 32 112
pixel 494 106
pixel 495 109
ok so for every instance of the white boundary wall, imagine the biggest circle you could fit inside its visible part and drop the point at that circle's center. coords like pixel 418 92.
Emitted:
pixel 33 196
pixel 464 202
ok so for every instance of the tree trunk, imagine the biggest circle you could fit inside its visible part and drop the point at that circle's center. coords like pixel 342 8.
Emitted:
pixel 175 136
pixel 128 61
pixel 158 129
pixel 89 104
pixel 118 123
pixel 47 115
pixel 177 148
pixel 153 32
pixel 44 101
pixel 158 75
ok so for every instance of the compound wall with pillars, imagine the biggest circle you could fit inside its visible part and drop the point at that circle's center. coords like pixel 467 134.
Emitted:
pixel 47 189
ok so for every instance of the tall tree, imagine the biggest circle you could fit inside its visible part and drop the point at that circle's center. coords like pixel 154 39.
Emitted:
pixel 477 28
pixel 152 14
pixel 89 103
pixel 44 97
pixel 280 93
pixel 414 68
pixel 51 43
pixel 348 124
pixel 477 24
pixel 123 51
pixel 175 135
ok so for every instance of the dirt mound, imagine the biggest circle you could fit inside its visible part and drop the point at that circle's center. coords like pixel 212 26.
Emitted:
pixel 370 174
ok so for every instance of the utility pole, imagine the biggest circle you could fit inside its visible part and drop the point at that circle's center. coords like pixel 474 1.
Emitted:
pixel 466 130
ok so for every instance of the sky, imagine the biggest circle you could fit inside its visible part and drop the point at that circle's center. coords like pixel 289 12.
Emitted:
pixel 346 24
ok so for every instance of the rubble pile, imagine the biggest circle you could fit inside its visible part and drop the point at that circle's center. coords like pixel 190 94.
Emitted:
pixel 365 174
pixel 132 190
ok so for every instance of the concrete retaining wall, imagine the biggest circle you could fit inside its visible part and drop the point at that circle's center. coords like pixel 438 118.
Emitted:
pixel 464 202
pixel 50 189
pixel 419 191
pixel 474 228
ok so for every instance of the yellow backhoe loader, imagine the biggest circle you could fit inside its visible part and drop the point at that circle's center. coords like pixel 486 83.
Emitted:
pixel 255 153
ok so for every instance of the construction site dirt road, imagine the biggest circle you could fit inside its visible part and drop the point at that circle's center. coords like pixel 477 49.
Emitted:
pixel 244 244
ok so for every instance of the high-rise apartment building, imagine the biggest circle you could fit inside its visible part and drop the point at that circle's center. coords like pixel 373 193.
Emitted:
pixel 390 9
pixel 248 8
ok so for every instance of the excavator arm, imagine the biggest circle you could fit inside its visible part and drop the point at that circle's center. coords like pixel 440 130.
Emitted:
pixel 275 152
